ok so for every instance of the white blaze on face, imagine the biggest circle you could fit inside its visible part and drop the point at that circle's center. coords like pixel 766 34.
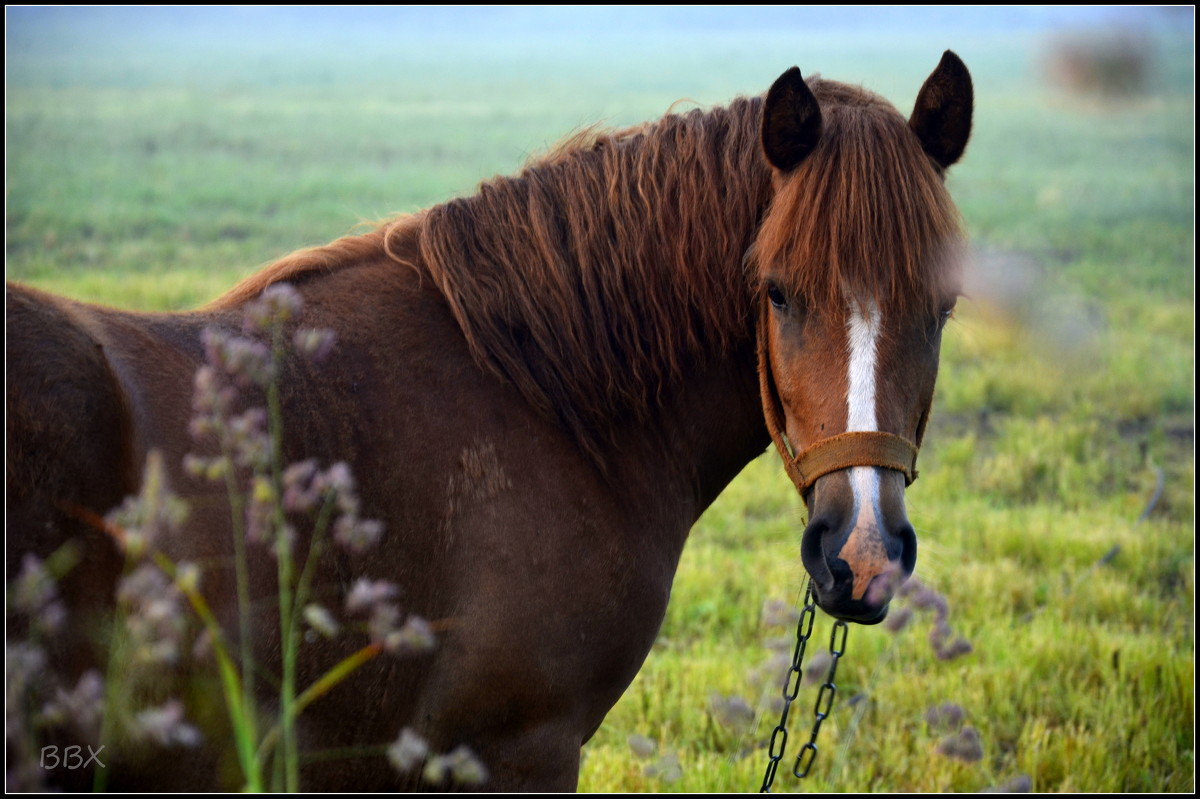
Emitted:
pixel 863 332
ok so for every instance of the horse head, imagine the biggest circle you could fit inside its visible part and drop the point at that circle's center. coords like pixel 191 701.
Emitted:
pixel 856 265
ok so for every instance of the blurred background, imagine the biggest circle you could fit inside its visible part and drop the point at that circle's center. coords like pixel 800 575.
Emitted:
pixel 154 156
pixel 306 120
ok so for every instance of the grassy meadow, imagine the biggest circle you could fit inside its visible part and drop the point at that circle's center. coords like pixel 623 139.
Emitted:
pixel 152 162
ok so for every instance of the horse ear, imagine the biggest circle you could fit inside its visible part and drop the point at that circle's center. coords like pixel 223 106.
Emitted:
pixel 942 115
pixel 791 121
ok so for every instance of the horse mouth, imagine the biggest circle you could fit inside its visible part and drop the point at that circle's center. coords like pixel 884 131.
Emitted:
pixel 866 618
pixel 859 611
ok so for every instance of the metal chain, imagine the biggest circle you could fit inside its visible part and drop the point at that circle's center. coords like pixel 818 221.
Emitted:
pixel 791 687
pixel 808 752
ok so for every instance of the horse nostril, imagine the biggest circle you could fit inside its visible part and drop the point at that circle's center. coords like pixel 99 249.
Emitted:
pixel 907 537
pixel 812 554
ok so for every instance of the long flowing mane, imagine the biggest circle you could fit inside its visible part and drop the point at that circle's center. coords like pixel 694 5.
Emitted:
pixel 607 270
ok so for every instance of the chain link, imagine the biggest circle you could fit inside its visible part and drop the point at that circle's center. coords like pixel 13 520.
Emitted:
pixel 791 687
pixel 824 705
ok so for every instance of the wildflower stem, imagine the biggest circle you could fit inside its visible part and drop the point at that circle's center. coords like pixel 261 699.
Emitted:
pixel 335 675
pixel 322 686
pixel 62 560
pixel 111 687
pixel 237 508
pixel 287 626
pixel 304 584
pixel 241 713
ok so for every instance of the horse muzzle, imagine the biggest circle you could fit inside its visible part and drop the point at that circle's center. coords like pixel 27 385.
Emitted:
pixel 858 547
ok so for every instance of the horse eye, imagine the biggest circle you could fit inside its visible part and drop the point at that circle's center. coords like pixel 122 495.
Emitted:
pixel 776 297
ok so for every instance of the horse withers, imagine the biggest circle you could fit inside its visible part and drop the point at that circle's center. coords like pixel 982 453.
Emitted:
pixel 539 388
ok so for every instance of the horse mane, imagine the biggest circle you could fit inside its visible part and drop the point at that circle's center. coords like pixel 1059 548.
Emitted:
pixel 609 269
pixel 615 265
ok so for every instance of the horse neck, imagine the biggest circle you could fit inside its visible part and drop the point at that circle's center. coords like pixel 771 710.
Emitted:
pixel 701 436
pixel 700 218
pixel 606 284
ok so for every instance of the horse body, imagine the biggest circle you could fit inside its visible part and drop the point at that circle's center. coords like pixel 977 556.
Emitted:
pixel 464 541
pixel 537 518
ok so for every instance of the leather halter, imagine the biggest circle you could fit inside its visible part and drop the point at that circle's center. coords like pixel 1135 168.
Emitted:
pixel 858 448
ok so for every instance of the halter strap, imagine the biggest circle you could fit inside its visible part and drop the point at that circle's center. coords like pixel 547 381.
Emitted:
pixel 857 448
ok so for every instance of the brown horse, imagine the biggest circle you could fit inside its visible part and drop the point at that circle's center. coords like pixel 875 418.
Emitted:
pixel 540 388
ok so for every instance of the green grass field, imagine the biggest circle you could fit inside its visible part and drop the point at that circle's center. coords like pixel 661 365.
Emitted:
pixel 151 165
